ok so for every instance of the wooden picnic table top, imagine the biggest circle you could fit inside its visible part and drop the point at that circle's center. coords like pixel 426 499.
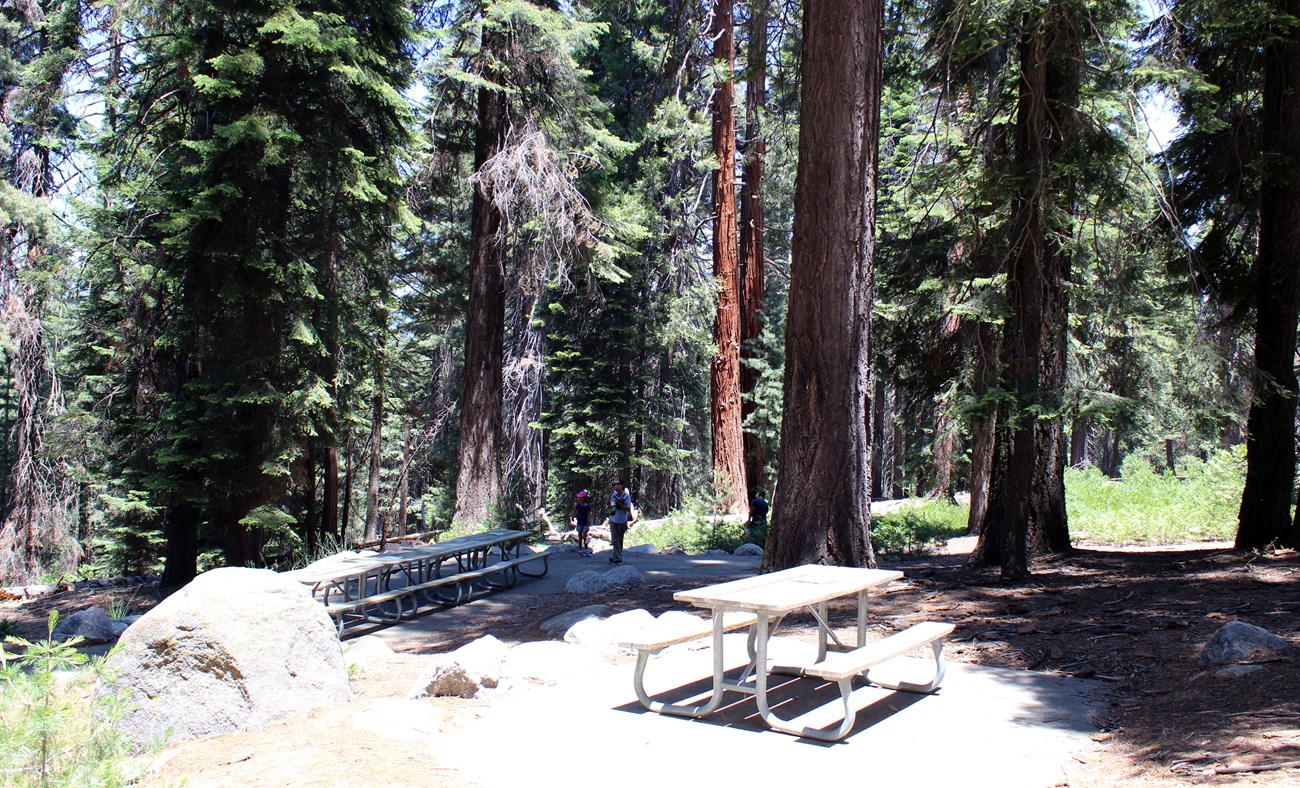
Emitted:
pixel 778 593
pixel 352 566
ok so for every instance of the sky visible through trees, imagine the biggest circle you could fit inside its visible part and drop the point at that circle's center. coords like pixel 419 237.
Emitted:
pixel 282 277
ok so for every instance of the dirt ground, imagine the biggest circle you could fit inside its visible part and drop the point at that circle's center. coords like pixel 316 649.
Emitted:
pixel 1132 618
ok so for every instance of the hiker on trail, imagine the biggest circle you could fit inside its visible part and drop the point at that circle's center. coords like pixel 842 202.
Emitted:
pixel 581 520
pixel 620 500
pixel 756 528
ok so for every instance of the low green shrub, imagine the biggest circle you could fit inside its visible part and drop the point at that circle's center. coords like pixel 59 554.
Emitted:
pixel 695 527
pixel 918 529
pixel 57 731
pixel 1144 507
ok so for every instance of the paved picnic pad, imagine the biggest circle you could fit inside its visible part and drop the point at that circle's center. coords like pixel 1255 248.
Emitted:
pixel 1019 727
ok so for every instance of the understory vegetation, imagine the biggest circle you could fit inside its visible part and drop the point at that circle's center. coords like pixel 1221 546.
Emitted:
pixel 1144 506
pixel 57 730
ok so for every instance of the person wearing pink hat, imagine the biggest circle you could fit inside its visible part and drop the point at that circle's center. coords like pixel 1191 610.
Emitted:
pixel 581 520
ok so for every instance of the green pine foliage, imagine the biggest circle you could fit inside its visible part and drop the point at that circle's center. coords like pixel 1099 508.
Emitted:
pixel 249 221
pixel 251 226
pixel 58 730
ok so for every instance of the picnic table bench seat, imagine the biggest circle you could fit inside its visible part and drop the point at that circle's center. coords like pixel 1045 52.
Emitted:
pixel 652 639
pixel 843 666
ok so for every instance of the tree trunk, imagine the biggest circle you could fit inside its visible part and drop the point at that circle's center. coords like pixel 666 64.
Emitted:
pixel 1079 442
pixel 1265 515
pixel 981 470
pixel 825 514
pixel 181 553
pixel 752 286
pixel 330 499
pixel 945 441
pixel 403 483
pixel 877 436
pixel 728 438
pixel 478 480
pixel 1026 509
pixel 372 530
pixel 311 526
pixel 986 339
pixel 347 485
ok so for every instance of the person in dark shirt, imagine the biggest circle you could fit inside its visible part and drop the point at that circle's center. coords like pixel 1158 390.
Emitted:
pixel 581 519
pixel 756 528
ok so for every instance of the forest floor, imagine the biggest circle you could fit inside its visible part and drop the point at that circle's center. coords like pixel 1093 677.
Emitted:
pixel 1133 618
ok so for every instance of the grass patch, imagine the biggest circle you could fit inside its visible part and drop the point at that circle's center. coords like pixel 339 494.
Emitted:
pixel 918 529
pixel 1199 504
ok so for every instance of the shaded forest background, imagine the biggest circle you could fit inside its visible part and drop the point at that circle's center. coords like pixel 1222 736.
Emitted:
pixel 282 275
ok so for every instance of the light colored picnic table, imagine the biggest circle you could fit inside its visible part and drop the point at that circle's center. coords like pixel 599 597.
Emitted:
pixel 767 599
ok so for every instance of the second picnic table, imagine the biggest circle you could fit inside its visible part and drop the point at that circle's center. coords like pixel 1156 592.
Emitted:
pixel 363 588
pixel 760 603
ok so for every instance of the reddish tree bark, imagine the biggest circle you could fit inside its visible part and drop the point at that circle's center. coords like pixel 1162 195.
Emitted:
pixel 823 506
pixel 752 286
pixel 728 441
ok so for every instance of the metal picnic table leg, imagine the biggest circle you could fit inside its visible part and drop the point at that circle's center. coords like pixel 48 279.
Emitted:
pixel 719 668
pixel 760 679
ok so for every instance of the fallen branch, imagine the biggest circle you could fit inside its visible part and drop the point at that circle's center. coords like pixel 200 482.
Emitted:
pixel 1263 767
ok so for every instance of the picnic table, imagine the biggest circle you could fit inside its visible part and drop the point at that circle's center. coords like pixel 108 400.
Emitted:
pixel 389 586
pixel 760 603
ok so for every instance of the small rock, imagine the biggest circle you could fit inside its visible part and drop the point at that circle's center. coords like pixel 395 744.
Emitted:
pixel 1238 641
pixel 463 673
pixel 551 662
pixel 625 575
pixel 604 634
pixel 1229 672
pixel 399 720
pixel 586 583
pixel 674 550
pixel 92 625
pixel 641 549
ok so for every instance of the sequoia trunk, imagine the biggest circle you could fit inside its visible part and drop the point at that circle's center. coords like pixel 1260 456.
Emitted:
pixel 823 509
pixel 728 441
pixel 752 287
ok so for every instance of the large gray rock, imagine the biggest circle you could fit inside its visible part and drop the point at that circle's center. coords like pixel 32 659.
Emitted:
pixel 749 548
pixel 233 650
pixel 604 634
pixel 1237 641
pixel 92 625
pixel 463 673
pixel 557 625
pixel 587 582
pixel 624 575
